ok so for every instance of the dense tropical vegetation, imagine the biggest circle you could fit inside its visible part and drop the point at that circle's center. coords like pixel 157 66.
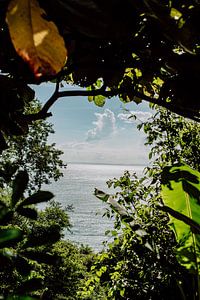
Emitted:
pixel 148 258
pixel 139 50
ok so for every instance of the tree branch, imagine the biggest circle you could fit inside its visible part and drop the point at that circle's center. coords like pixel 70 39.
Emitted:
pixel 107 93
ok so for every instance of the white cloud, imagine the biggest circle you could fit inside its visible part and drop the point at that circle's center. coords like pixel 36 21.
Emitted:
pixel 109 141
pixel 140 115
pixel 104 126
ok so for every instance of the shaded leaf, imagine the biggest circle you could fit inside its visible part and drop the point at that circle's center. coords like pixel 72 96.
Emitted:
pixel 32 284
pixel 6 216
pixel 41 196
pixel 48 235
pixel 8 237
pixel 22 265
pixel 3 144
pixel 35 39
pixel 27 212
pixel 19 185
pixel 41 257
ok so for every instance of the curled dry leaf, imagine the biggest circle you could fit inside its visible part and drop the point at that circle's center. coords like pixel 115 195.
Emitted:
pixel 35 39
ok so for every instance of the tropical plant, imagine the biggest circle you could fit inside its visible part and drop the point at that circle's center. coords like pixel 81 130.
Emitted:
pixel 142 234
pixel 181 194
pixel 140 262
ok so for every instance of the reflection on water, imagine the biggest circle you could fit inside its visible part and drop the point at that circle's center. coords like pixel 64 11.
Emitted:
pixel 76 188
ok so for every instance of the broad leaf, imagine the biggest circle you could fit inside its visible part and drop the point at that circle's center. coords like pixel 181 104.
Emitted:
pixel 19 185
pixel 8 237
pixel 28 212
pixel 181 195
pixel 114 204
pixel 41 196
pixel 35 39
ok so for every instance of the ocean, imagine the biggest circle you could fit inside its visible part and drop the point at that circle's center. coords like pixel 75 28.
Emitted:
pixel 76 188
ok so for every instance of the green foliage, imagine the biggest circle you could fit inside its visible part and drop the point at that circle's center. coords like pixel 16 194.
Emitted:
pixel 138 50
pixel 63 279
pixel 17 268
pixel 143 260
pixel 34 260
pixel 140 261
pixel 181 193
pixel 172 139
pixel 31 152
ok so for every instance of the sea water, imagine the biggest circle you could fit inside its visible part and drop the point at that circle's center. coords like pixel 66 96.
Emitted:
pixel 76 188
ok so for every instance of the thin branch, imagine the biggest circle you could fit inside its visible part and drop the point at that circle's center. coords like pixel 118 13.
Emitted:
pixel 52 99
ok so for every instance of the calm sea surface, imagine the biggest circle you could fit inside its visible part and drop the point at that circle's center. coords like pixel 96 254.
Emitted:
pixel 76 188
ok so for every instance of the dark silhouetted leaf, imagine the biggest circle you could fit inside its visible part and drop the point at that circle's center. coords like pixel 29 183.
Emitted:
pixel 22 265
pixel 3 144
pixel 32 284
pixel 41 196
pixel 40 257
pixel 27 212
pixel 19 185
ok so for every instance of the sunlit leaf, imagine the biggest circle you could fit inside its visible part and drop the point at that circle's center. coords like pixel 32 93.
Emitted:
pixel 181 194
pixel 35 39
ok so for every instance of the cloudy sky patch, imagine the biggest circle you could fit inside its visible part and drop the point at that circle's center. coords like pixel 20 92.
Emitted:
pixel 87 133
pixel 104 126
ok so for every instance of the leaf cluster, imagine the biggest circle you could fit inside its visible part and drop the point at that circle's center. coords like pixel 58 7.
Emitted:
pixel 19 253
pixel 172 139
pixel 138 50
pixel 141 259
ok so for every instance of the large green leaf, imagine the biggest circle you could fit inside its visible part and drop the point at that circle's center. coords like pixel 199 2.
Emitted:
pixel 8 237
pixel 38 197
pixel 181 196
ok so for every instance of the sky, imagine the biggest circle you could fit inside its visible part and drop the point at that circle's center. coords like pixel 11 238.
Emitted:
pixel 90 134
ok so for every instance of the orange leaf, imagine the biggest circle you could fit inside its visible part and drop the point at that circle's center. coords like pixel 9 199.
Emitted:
pixel 35 39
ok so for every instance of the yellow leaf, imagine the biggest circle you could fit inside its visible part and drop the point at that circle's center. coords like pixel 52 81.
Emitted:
pixel 35 39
